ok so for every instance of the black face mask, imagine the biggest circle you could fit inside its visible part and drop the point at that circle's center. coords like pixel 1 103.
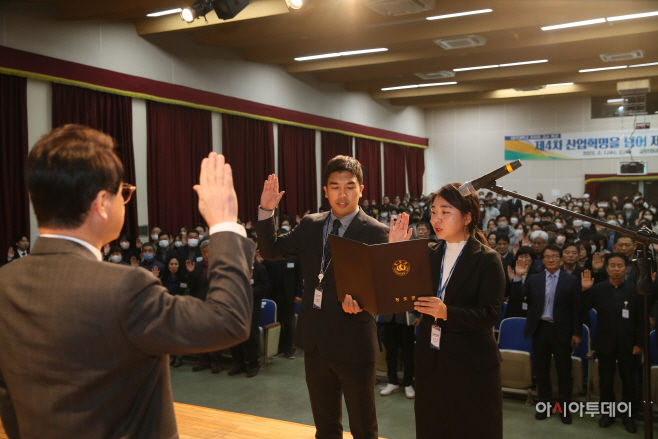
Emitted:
pixel 571 237
pixel 545 223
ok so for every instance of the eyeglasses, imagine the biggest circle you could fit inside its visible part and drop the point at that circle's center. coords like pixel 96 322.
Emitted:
pixel 127 192
pixel 551 257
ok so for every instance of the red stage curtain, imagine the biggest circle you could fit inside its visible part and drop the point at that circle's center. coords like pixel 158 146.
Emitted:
pixel 415 160
pixel 331 145
pixel 106 112
pixel 248 145
pixel 394 175
pixel 368 152
pixel 14 201
pixel 179 138
pixel 297 174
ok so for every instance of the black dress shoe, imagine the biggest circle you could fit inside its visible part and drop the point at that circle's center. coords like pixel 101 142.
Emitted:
pixel 606 421
pixel 629 424
pixel 178 362
pixel 565 417
pixel 215 367
pixel 171 360
pixel 540 416
pixel 252 371
pixel 237 369
pixel 202 365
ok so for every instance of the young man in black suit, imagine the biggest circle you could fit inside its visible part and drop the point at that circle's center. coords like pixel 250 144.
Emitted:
pixel 340 343
pixel 618 335
pixel 553 321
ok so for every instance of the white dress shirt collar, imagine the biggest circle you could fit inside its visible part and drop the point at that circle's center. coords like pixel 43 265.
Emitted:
pixel 85 244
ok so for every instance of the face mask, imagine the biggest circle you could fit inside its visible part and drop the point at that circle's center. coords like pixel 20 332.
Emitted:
pixel 648 217
pixel 628 206
pixel 612 222
pixel 394 217
pixel 164 243
pixel 621 220
pixel 593 249
pixel 653 210
pixel 421 204
pixel 560 240
pixel 537 220
pixel 646 205
pixel 125 245
pixel 579 204
pixel 384 214
pixel 518 232
pixel 502 225
pixel 481 197
pixel 558 225
pixel 542 210
pixel 586 196
pixel 177 244
pixel 635 198
pixel 514 220
pixel 201 238
pixel 481 209
pixel 578 223
pixel 154 237
pixel 603 205
pixel 499 198
pixel 147 256
pixel 534 207
pixel 586 224
pixel 286 228
pixel 601 214
pixel 116 258
pixel 192 242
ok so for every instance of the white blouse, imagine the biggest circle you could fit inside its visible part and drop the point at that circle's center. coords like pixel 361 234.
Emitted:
pixel 452 253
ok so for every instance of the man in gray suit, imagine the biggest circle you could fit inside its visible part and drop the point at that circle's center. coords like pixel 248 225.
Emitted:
pixel 84 345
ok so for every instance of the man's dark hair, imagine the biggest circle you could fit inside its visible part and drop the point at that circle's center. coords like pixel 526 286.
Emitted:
pixel 148 244
pixel 164 233
pixel 20 237
pixel 525 251
pixel 424 224
pixel 66 170
pixel 192 231
pixel 615 255
pixel 502 216
pixel 553 247
pixel 343 163
pixel 502 237
pixel 551 228
pixel 571 244
pixel 618 236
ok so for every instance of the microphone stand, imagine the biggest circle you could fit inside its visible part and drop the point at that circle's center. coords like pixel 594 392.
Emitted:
pixel 644 287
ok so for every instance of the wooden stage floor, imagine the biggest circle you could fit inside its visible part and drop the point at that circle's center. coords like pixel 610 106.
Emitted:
pixel 204 423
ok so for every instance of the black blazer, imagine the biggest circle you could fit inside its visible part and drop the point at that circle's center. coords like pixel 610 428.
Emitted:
pixel 329 331
pixel 286 279
pixel 474 298
pixel 187 253
pixel 566 304
pixel 611 329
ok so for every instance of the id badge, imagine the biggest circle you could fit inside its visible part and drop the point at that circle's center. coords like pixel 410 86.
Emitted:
pixel 435 340
pixel 625 314
pixel 199 259
pixel 317 298
pixel 524 307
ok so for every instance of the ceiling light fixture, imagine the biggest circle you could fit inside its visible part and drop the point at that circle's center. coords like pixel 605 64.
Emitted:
pixel 297 4
pixel 225 9
pixel 523 62
pixel 402 87
pixel 610 101
pixel 460 14
pixel 161 13
pixel 602 68
pixel 198 9
pixel 644 65
pixel 631 16
pixel 493 66
pixel 574 24
pixel 561 83
pixel 336 54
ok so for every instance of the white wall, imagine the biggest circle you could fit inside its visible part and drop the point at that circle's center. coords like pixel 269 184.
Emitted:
pixel 467 142
pixel 176 59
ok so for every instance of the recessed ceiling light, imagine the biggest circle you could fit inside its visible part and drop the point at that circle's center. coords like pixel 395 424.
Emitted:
pixel 523 62
pixel 402 87
pixel 460 14
pixel 493 66
pixel 644 65
pixel 602 68
pixel 574 24
pixel 335 54
pixel 170 11
pixel 561 83
pixel 610 101
pixel 631 16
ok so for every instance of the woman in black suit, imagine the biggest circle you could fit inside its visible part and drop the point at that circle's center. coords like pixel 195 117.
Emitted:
pixel 458 386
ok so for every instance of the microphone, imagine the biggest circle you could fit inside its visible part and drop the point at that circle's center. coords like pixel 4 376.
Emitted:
pixel 471 187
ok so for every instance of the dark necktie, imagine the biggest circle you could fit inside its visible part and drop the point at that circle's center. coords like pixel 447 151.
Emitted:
pixel 327 250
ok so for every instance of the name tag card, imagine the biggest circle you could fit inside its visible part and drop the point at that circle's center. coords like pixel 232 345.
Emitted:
pixel 435 341
pixel 291 265
pixel 524 306
pixel 317 299
pixel 183 285
pixel 199 259
pixel 625 314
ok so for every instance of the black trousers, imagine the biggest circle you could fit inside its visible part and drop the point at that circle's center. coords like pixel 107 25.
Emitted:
pixel 545 343
pixel 327 381
pixel 399 336
pixel 247 353
pixel 607 368
pixel 285 314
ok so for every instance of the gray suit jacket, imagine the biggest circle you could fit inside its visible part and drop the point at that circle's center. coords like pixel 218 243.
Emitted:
pixel 84 345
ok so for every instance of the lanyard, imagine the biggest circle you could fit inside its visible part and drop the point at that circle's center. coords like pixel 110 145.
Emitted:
pixel 325 236
pixel 442 287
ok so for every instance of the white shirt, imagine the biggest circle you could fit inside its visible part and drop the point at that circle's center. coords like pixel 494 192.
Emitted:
pixel 452 253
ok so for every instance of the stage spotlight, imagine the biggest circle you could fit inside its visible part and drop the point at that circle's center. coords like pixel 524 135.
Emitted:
pixel 297 4
pixel 225 9
pixel 198 9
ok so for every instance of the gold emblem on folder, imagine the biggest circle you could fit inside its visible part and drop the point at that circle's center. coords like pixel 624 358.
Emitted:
pixel 401 267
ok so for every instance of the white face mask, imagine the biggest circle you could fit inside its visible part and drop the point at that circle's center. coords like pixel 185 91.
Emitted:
pixel 542 210
pixel 586 224
pixel 502 225
pixel 578 223
pixel 201 236
pixel 579 204
pixel 286 228
pixel 621 220
pixel 534 207
pixel 558 225
pixel 653 210
pixel 518 232
pixel 154 237
pixel 481 197
pixel 125 245
pixel 537 220
pixel 192 242
pixel 646 205
pixel 421 204
pixel 499 198
pixel 164 243
pixel 514 220
pixel 593 249
pixel 560 240
pixel 394 216
pixel 116 258
pixel 481 209
pixel 648 217
pixel 384 214
pixel 586 196
pixel 628 206
pixel 612 222
pixel 177 243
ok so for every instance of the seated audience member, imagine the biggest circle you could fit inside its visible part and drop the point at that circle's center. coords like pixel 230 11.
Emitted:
pixel 155 235
pixel 116 256
pixel 539 240
pixel 618 337
pixel 285 225
pixel 191 250
pixel 165 248
pixel 128 247
pixel 148 261
pixel 203 231
pixel 365 205
pixel 246 354
pixel 22 243
pixel 424 230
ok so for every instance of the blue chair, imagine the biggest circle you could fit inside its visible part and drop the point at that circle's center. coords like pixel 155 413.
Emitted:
pixel 593 317
pixel 501 317
pixel 516 350
pixel 270 330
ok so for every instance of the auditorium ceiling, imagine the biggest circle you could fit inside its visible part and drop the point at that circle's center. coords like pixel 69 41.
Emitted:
pixel 423 55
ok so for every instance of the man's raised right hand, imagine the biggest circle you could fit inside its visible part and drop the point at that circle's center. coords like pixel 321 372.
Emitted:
pixel 218 202
pixel 271 195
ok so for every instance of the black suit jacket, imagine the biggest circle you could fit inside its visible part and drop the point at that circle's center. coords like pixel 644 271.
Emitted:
pixel 566 304
pixel 329 331
pixel 286 279
pixel 188 253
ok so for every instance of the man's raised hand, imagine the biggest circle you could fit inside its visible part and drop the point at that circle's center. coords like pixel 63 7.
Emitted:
pixel 271 195
pixel 398 231
pixel 218 202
